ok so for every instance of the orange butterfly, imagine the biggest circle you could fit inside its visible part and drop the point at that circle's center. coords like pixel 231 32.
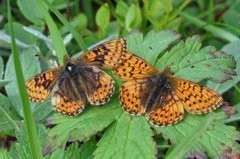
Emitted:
pixel 79 81
pixel 159 95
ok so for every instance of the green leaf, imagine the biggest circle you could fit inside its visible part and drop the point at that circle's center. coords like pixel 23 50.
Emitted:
pixel 179 58
pixel 22 34
pixel 152 45
pixel 103 16
pixel 189 61
pixel 121 11
pixel 3 83
pixel 133 18
pixel 127 138
pixel 88 123
pixel 1 68
pixel 4 154
pixel 31 11
pixel 157 12
pixel 201 134
pixel 231 17
pixel 21 148
pixel 9 118
pixel 231 49
pixel 84 152
pixel 30 65
pixel 74 151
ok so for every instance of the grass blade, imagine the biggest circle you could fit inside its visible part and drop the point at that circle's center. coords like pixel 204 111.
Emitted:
pixel 32 137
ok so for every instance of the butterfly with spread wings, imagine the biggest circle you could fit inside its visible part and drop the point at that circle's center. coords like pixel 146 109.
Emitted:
pixel 159 95
pixel 80 80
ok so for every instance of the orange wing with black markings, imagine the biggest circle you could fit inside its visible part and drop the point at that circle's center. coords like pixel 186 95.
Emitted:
pixel 40 86
pixel 130 96
pixel 197 99
pixel 101 89
pixel 159 95
pixel 66 104
pixel 108 55
pixel 134 67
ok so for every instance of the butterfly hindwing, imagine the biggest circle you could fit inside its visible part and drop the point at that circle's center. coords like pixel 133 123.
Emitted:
pixel 130 96
pixel 99 86
pixel 65 104
pixel 170 112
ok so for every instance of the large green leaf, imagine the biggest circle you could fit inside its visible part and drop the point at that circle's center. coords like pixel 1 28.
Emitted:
pixel 88 123
pixel 188 60
pixel 202 134
pixel 127 138
pixel 31 11
pixel 152 45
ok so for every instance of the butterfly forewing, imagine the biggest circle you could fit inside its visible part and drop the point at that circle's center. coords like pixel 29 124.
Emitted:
pixel 40 86
pixel 108 55
pixel 134 67
pixel 197 99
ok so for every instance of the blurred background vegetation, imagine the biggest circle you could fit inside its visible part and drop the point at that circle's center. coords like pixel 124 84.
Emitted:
pixel 216 21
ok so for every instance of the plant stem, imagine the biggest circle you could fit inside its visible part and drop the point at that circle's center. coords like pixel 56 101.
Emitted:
pixel 32 137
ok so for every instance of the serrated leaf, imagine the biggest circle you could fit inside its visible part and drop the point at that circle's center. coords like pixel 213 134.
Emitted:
pixel 189 61
pixel 81 127
pixel 231 49
pixel 103 16
pixel 200 134
pixel 179 58
pixel 20 149
pixel 152 45
pixel 74 151
pixel 30 65
pixel 127 138
pixel 84 152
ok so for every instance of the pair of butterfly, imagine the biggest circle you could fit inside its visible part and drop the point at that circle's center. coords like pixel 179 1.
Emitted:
pixel 159 95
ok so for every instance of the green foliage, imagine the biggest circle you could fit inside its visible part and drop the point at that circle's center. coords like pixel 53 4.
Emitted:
pixel 232 49
pixel 126 134
pixel 82 127
pixel 203 63
pixel 51 29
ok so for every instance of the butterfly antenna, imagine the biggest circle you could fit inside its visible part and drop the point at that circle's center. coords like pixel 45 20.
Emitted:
pixel 66 58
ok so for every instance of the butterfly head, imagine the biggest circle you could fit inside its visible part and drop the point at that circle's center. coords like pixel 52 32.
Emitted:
pixel 70 67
